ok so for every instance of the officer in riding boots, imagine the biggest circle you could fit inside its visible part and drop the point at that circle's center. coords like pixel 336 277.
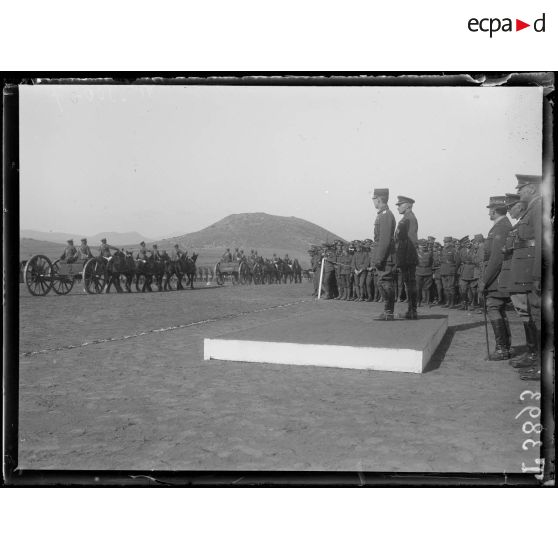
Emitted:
pixel 70 254
pixel 526 268
pixel 496 300
pixel 384 257
pixel 406 240
pixel 104 249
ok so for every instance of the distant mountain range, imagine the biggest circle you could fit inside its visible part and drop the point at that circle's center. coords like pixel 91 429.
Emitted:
pixel 116 238
pixel 265 233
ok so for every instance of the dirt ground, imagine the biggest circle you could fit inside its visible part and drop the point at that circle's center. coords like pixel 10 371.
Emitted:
pixel 119 382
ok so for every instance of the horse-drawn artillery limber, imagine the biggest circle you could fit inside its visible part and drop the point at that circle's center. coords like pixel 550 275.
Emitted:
pixel 236 272
pixel 41 275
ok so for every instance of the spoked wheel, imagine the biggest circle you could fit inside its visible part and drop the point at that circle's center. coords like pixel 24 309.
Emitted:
pixel 140 282
pixel 94 277
pixel 173 282
pixel 37 275
pixel 241 274
pixel 61 284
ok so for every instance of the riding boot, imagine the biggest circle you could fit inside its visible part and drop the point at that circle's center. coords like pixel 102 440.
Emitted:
pixel 452 303
pixel 531 357
pixel 502 351
pixel 445 299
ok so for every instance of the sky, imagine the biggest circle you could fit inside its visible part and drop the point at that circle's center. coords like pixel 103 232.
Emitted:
pixel 168 160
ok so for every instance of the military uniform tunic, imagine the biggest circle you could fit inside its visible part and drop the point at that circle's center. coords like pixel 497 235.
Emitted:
pixel 384 229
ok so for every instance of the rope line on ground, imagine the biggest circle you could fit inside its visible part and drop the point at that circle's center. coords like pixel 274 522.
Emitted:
pixel 158 330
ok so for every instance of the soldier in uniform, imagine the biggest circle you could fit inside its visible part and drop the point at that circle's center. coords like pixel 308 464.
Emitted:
pixel 142 252
pixel 449 262
pixel 406 241
pixel 227 256
pixel 155 253
pixel 374 271
pixel 328 280
pixel 436 275
pixel 344 268
pixel 384 229
pixel 351 277
pixel 495 299
pixel 104 249
pixel 84 252
pixel 424 272
pixel 526 265
pixel 478 269
pixel 359 265
pixel 177 253
pixel 70 254
pixel 369 284
pixel 466 273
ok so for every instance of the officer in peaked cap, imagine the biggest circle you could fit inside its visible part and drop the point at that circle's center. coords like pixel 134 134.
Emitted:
pixel 495 299
pixel 406 241
pixel 526 267
pixel 384 259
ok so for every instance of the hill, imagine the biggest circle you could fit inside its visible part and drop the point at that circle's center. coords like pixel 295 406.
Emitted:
pixel 265 233
pixel 30 247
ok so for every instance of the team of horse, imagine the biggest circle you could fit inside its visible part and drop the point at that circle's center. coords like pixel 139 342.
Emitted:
pixel 262 271
pixel 163 272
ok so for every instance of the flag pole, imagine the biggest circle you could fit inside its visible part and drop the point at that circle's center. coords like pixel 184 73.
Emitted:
pixel 321 279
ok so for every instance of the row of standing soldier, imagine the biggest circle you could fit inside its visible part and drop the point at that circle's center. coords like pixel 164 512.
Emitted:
pixel 504 268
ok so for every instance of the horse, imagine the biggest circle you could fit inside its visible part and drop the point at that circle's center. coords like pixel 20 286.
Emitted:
pixel 144 275
pixel 297 271
pixel 190 269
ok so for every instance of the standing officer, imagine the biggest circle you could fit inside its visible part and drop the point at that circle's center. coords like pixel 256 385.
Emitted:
pixel 495 299
pixel 367 247
pixel 70 254
pixel 516 208
pixel 424 273
pixel 449 262
pixel 84 252
pixel 384 229
pixel 527 261
pixel 406 241
pixel 344 268
pixel 374 271
pixel 466 273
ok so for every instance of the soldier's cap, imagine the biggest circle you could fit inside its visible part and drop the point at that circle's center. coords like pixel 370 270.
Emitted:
pixel 447 239
pixel 384 192
pixel 525 179
pixel 437 244
pixel 404 199
pixel 103 239
pixel 479 237
pixel 496 201
pixel 512 199
pixel 142 243
pixel 71 241
pixel 464 240
pixel 431 238
pixel 84 239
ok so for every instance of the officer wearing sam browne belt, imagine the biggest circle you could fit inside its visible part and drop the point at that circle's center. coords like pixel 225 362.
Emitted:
pixel 384 229
pixel 495 299
pixel 406 241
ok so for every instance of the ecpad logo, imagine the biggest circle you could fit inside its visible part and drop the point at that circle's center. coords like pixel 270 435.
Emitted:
pixel 494 24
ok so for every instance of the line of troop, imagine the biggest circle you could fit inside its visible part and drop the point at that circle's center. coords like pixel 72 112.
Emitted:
pixel 256 269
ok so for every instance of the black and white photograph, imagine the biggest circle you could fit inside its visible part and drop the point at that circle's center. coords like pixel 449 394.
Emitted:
pixel 283 275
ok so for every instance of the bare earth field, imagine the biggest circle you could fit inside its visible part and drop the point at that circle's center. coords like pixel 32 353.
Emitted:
pixel 101 388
